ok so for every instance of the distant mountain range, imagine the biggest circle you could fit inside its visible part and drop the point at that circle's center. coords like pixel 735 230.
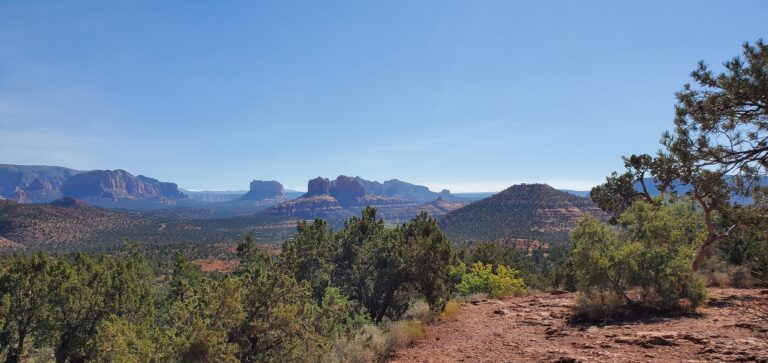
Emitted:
pixel 123 190
pixel 535 212
pixel 346 196
pixel 109 188
pixel 213 196
pixel 33 183
pixel 680 188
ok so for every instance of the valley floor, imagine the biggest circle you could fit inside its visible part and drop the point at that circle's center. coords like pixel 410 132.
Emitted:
pixel 536 329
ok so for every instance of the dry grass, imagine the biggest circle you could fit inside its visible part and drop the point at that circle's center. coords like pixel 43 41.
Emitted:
pixel 419 310
pixel 729 276
pixel 372 344
pixel 718 279
pixel 451 310
pixel 368 345
pixel 596 306
pixel 404 333
pixel 741 277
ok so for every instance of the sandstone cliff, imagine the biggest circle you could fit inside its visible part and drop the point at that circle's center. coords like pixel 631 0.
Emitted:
pixel 117 185
pixel 261 189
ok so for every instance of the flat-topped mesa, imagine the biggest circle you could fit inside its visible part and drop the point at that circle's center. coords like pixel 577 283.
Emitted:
pixel 347 190
pixel 118 184
pixel 344 189
pixel 318 186
pixel 263 189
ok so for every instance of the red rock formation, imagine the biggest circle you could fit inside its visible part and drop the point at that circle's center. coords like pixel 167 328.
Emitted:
pixel 118 184
pixel 261 189
pixel 319 186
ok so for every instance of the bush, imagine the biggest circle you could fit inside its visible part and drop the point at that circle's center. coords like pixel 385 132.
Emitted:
pixel 368 345
pixel 741 277
pixel 482 279
pixel 719 279
pixel 404 333
pixel 597 305
pixel 381 268
pixel 651 250
pixel 420 311
pixel 451 310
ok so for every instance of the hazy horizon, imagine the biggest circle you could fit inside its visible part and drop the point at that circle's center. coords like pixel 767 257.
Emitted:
pixel 466 96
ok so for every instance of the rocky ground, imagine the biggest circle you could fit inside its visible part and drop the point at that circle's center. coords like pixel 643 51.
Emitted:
pixel 538 329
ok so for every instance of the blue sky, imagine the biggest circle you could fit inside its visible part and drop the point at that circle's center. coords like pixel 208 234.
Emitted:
pixel 468 95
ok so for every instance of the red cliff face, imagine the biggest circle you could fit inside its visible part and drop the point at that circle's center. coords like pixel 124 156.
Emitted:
pixel 318 186
pixel 261 189
pixel 118 184
pixel 345 197
pixel 310 206
pixel 347 190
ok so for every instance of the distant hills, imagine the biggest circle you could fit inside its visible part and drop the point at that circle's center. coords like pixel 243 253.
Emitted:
pixel 33 183
pixel 211 196
pixel 346 196
pixel 399 189
pixel 69 223
pixel 109 188
pixel 63 222
pixel 121 189
pixel 527 211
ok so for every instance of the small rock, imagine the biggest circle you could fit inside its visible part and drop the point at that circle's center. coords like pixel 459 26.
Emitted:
pixel 660 340
pixel 694 338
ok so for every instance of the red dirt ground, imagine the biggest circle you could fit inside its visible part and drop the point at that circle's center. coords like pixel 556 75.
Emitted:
pixel 537 329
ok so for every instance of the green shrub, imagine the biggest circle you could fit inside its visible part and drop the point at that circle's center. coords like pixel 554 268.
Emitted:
pixel 482 279
pixel 651 249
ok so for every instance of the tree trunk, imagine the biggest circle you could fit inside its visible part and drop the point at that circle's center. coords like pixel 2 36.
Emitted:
pixel 14 353
pixel 704 251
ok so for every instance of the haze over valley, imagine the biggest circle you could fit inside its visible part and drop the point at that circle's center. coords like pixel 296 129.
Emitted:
pixel 392 181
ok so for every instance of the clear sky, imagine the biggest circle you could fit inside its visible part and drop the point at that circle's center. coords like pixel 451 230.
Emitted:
pixel 468 95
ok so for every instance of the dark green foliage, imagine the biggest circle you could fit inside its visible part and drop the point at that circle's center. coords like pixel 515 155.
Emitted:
pixel 721 120
pixel 721 132
pixel 97 289
pixel 61 303
pixel 379 267
pixel 527 211
pixel 429 259
pixel 651 249
pixel 748 245
pixel 310 255
pixel 28 286
pixel 291 307
pixel 537 268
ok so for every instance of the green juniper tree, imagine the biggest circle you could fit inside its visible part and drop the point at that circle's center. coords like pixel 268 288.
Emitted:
pixel 719 148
